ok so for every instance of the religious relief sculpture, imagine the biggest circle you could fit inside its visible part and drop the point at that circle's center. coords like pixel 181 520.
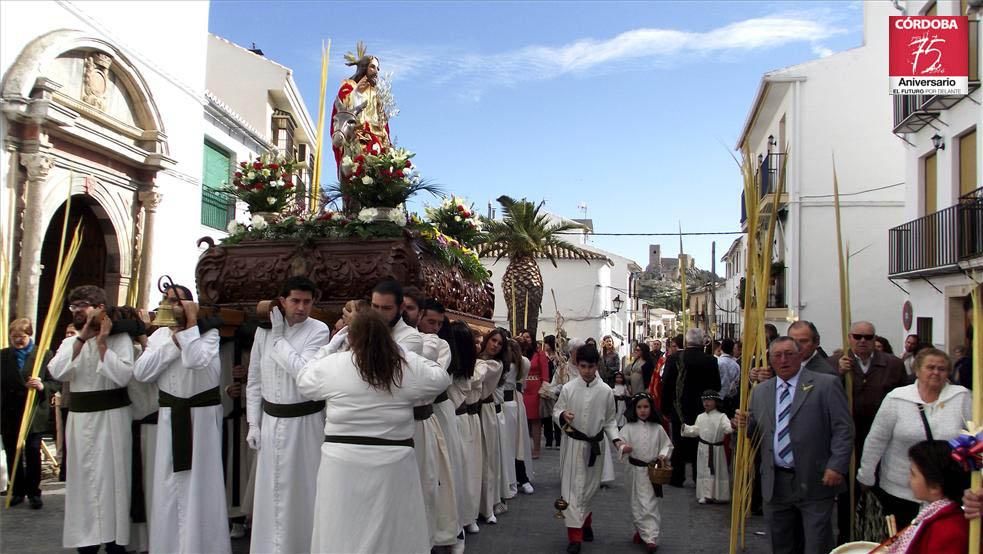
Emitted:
pixel 359 119
pixel 95 80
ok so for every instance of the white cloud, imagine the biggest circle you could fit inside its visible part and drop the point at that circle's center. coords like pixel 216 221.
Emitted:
pixel 645 47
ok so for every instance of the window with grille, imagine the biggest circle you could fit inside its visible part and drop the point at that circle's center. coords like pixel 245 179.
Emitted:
pixel 217 208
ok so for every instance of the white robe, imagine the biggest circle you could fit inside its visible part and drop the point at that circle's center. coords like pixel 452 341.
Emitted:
pixel 507 483
pixel 464 391
pixel 710 427
pixel 144 402
pixel 491 452
pixel 247 458
pixel 189 506
pixel 97 484
pixel 523 443
pixel 648 441
pixel 289 453
pixel 450 476
pixel 593 409
pixel 368 497
pixel 434 459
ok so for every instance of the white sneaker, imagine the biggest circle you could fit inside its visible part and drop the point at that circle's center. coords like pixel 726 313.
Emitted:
pixel 458 547
pixel 500 508
pixel 702 501
pixel 526 488
pixel 471 528
pixel 238 531
pixel 491 520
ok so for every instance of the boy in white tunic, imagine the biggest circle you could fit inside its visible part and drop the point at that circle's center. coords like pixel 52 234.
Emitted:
pixel 285 427
pixel 650 443
pixel 585 411
pixel 189 500
pixel 98 366
pixel 711 427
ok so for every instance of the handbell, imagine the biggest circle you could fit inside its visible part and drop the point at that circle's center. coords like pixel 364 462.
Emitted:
pixel 164 316
pixel 560 505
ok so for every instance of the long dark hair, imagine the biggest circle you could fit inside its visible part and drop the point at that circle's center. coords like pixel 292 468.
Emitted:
pixel 647 356
pixel 501 356
pixel 934 461
pixel 463 355
pixel 378 358
pixel 630 414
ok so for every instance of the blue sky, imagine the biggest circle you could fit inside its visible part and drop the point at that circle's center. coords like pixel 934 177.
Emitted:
pixel 630 107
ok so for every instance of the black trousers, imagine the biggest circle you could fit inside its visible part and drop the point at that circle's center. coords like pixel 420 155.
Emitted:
pixel 28 475
pixel 111 548
pixel 520 472
pixel 63 462
pixel 684 453
pixel 552 432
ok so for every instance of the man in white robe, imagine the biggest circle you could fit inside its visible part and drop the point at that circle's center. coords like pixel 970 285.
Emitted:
pixel 98 366
pixel 189 493
pixel 285 427
pixel 585 411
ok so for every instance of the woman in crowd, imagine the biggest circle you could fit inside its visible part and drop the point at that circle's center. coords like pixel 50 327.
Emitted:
pixel 546 395
pixel 610 360
pixel 519 422
pixel 507 410
pixel 929 409
pixel 15 381
pixel 881 344
pixel 465 394
pixel 490 366
pixel 639 373
pixel 368 493
pixel 539 372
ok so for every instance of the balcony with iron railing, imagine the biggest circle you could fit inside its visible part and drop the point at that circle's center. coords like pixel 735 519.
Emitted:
pixel 914 111
pixel 936 243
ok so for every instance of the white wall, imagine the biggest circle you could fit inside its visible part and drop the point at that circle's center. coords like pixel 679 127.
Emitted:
pixel 243 80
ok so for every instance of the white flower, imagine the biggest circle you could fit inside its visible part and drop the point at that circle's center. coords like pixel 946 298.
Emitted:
pixel 270 200
pixel 398 216
pixel 367 214
pixel 258 223
pixel 407 172
pixel 251 175
pixel 233 227
pixel 367 180
pixel 375 148
pixel 265 172
pixel 277 183
pixel 457 218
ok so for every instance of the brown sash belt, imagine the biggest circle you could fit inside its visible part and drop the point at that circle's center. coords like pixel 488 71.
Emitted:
pixel 369 441
pixel 422 413
pixel 99 400
pixel 299 409
pixel 182 427
pixel 713 470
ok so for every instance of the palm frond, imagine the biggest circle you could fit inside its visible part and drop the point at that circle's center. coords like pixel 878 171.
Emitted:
pixel 525 230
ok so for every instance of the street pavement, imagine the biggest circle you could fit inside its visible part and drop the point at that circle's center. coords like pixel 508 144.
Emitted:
pixel 528 526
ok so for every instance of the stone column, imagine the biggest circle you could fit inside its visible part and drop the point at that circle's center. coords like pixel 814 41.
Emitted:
pixel 150 200
pixel 38 165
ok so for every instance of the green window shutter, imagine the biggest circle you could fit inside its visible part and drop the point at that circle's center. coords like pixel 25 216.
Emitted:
pixel 216 206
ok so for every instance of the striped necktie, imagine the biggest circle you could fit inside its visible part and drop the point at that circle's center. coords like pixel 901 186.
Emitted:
pixel 783 429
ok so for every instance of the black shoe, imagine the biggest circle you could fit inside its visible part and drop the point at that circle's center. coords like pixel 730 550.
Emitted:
pixel 573 548
pixel 588 534
pixel 16 500
pixel 36 503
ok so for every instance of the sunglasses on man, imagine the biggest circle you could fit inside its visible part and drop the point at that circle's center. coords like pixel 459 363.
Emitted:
pixel 858 336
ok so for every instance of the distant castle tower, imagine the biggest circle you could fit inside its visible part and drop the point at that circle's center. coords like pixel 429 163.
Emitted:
pixel 655 258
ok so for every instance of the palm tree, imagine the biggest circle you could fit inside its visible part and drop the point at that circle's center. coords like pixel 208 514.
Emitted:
pixel 523 234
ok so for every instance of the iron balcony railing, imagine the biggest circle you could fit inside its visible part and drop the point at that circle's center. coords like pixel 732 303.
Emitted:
pixel 769 172
pixel 971 225
pixel 776 290
pixel 925 245
pixel 217 208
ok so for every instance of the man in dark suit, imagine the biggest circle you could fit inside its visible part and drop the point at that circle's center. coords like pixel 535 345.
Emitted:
pixel 806 436
pixel 874 375
pixel 806 334
pixel 686 376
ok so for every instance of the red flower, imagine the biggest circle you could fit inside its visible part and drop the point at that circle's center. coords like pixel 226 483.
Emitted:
pixel 409 164
pixel 258 186
pixel 238 175
pixel 285 177
pixel 257 165
pixel 288 185
pixel 243 164
pixel 274 167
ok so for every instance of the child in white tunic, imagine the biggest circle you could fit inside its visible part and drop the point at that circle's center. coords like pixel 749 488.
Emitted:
pixel 712 477
pixel 649 441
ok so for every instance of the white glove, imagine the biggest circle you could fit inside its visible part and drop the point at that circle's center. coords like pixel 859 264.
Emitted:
pixel 253 437
pixel 276 318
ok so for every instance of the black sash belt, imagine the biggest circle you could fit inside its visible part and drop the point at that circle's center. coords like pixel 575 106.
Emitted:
pixel 300 409
pixel 638 463
pixel 138 502
pixel 713 470
pixel 99 400
pixel 488 399
pixel 474 409
pixel 595 442
pixel 509 395
pixel 422 413
pixel 498 408
pixel 369 441
pixel 441 398
pixel 462 409
pixel 182 431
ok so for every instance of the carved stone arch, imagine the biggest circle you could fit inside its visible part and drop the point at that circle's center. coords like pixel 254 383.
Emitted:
pixel 27 82
pixel 111 206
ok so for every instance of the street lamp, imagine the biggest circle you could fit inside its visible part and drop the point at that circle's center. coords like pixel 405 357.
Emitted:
pixel 771 142
pixel 617 303
pixel 937 142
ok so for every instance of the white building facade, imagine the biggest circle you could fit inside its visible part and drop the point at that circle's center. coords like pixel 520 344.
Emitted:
pixel 940 244
pixel 835 106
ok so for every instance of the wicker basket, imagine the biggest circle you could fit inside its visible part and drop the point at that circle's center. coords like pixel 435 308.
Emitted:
pixel 659 473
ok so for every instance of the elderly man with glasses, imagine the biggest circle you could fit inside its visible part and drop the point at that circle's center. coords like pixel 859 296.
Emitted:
pixel 874 375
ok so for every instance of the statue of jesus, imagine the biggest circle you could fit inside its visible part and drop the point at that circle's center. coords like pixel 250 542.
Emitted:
pixel 359 124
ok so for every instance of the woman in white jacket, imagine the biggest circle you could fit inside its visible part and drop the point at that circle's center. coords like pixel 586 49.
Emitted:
pixel 931 408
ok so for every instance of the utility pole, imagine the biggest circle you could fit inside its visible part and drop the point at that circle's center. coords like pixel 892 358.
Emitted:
pixel 713 290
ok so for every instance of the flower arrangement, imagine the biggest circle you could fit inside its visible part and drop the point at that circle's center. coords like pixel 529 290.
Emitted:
pixel 394 215
pixel 383 180
pixel 265 184
pixel 456 218
pixel 450 251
